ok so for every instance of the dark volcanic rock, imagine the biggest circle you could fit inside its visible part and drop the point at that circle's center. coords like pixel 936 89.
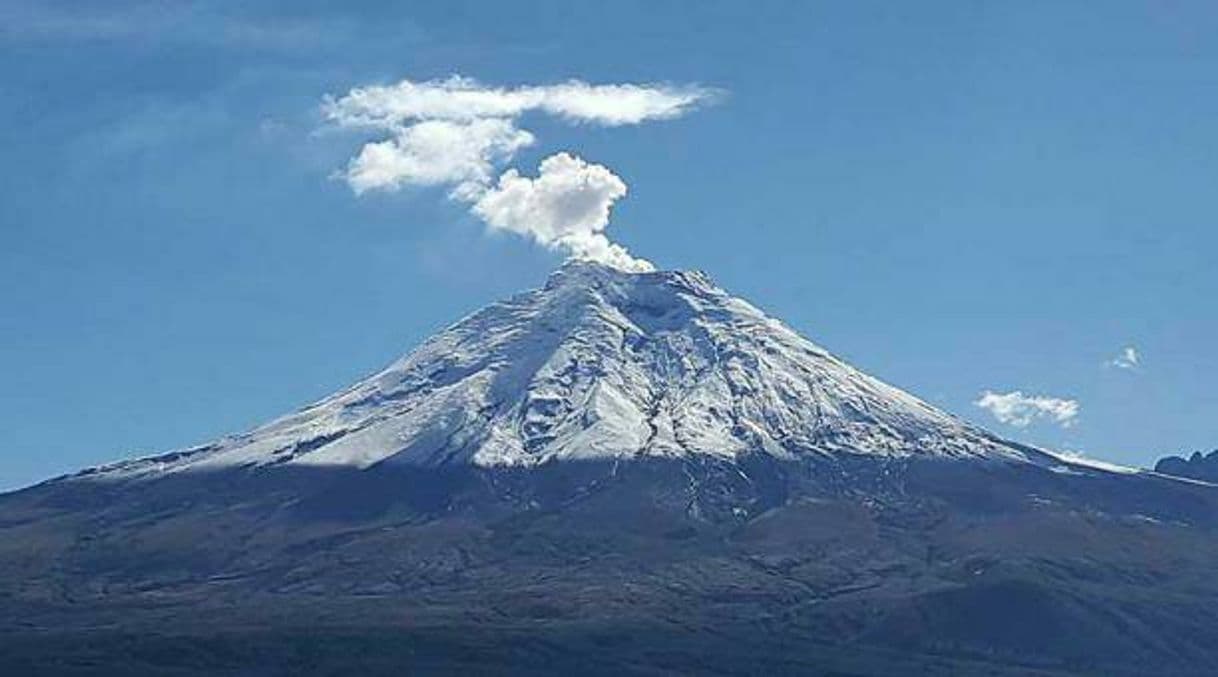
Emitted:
pixel 1198 466
pixel 852 564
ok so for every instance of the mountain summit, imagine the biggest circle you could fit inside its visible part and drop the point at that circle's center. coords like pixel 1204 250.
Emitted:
pixel 602 364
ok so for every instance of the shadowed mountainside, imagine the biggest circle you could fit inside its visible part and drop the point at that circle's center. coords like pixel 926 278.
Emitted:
pixel 853 565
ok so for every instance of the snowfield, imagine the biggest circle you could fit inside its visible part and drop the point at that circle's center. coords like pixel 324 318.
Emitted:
pixel 601 363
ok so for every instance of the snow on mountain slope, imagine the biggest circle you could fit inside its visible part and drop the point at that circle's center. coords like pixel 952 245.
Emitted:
pixel 601 363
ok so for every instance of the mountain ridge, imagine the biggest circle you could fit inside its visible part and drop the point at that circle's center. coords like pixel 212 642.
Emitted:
pixel 1199 466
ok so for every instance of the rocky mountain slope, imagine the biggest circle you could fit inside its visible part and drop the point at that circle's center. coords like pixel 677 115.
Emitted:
pixel 1197 466
pixel 617 474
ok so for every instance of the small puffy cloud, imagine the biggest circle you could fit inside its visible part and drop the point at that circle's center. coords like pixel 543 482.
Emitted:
pixel 1019 410
pixel 566 207
pixel 460 98
pixel 1127 359
pixel 436 152
pixel 456 131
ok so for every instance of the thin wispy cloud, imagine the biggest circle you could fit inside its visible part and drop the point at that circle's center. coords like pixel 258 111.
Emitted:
pixel 457 132
pixel 462 98
pixel 194 23
pixel 1128 359
pixel 1019 410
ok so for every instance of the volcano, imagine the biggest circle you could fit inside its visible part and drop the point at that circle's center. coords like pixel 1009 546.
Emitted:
pixel 618 473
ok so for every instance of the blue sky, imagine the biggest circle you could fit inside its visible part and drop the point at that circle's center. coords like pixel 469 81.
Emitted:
pixel 955 197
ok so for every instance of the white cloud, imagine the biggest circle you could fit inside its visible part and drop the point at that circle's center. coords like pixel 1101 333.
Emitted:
pixel 1127 359
pixel 436 152
pixel 566 207
pixel 456 131
pixel 460 98
pixel 1019 410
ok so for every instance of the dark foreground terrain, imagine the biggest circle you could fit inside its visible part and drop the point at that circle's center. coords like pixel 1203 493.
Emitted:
pixel 841 567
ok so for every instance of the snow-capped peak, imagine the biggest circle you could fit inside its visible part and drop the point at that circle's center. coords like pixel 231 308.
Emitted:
pixel 602 363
